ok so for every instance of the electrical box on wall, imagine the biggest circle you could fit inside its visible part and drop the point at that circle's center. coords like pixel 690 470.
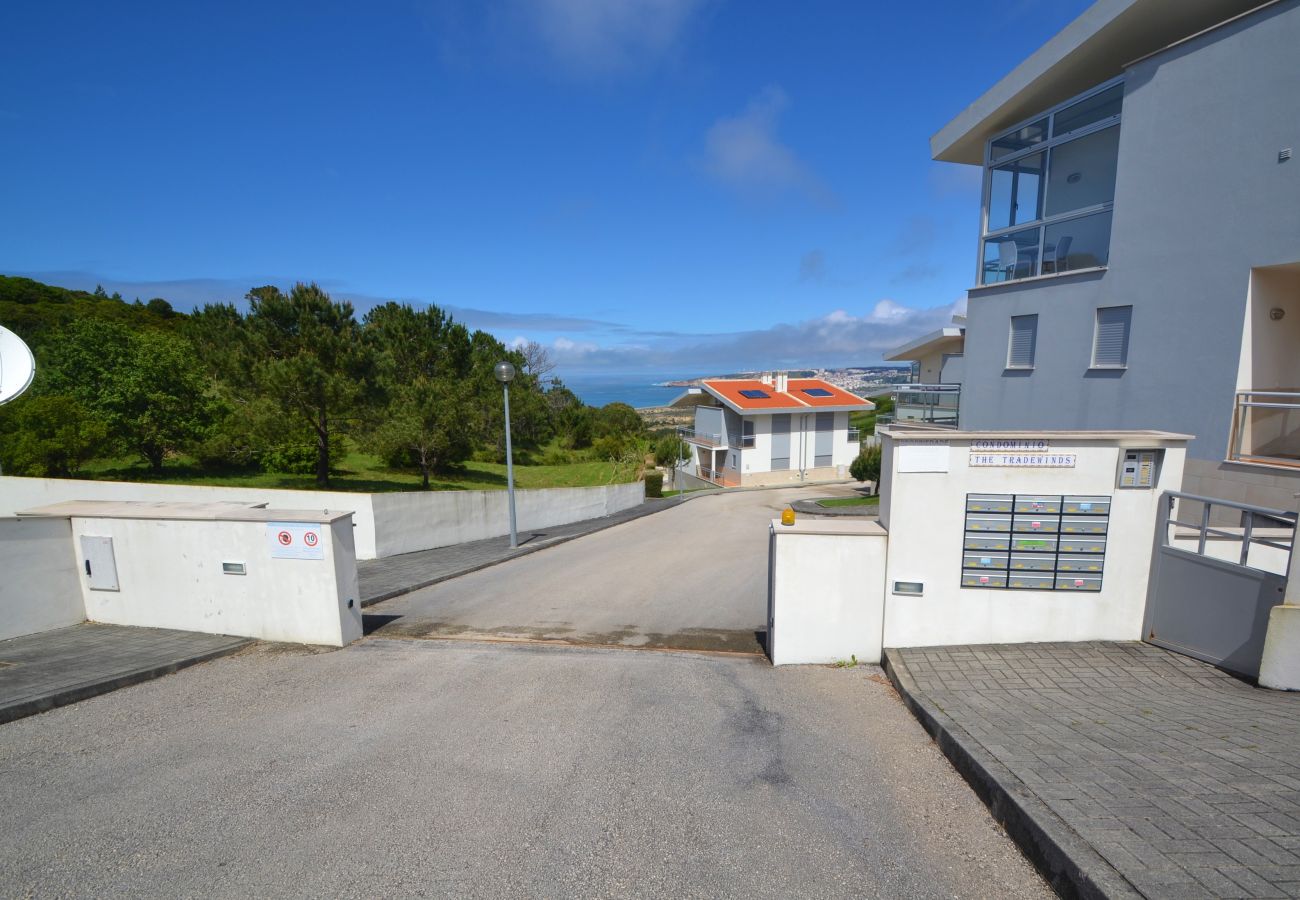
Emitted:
pixel 1139 468
pixel 98 563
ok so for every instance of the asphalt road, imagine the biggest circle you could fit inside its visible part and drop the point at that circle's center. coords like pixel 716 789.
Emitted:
pixel 690 577
pixel 436 768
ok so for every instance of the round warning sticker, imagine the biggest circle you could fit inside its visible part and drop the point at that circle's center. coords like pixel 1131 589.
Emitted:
pixel 285 538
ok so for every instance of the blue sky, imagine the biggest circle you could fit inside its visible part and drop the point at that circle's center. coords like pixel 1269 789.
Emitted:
pixel 680 186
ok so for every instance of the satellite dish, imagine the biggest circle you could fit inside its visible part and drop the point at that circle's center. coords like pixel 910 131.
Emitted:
pixel 17 365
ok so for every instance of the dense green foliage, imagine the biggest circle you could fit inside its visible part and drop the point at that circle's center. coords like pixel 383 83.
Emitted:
pixel 291 384
pixel 654 484
pixel 866 467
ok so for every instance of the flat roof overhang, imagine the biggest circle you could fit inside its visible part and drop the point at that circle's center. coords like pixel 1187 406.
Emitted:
pixel 1097 46
pixel 931 342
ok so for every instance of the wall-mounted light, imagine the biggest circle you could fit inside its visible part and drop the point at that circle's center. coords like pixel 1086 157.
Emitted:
pixel 1276 313
pixel 1074 178
pixel 909 588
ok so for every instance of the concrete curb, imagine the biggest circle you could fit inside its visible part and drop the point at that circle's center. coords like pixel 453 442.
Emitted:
pixel 86 690
pixel 1069 863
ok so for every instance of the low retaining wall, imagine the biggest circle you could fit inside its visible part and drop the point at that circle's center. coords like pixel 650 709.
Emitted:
pixel 39 589
pixel 386 524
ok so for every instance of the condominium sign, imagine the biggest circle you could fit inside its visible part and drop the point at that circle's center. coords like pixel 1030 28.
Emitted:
pixel 1019 453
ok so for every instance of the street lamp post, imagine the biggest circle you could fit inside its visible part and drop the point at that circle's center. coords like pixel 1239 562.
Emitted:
pixel 505 373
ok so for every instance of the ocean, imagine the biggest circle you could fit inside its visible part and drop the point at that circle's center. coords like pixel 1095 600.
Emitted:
pixel 635 390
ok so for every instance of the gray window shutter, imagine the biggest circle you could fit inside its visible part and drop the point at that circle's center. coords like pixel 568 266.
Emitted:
pixel 1111 347
pixel 1024 332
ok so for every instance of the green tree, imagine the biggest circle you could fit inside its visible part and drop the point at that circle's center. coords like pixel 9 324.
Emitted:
pixel 49 435
pixel 668 453
pixel 866 467
pixel 423 358
pixel 147 387
pixel 302 351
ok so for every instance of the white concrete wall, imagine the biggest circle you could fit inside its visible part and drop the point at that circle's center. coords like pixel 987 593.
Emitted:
pixel 827 591
pixel 39 589
pixel 170 576
pixel 27 493
pixel 386 524
pixel 926 520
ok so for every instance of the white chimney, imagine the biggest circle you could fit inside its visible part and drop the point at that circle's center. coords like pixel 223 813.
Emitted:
pixel 766 379
pixel 782 382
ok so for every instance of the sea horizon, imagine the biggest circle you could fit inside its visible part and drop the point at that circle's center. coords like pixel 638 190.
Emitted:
pixel 638 390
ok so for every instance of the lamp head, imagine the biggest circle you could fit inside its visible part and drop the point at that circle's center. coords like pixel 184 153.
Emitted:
pixel 504 372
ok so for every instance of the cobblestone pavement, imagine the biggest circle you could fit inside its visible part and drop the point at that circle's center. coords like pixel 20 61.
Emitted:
pixel 1184 780
pixel 41 671
pixel 380 579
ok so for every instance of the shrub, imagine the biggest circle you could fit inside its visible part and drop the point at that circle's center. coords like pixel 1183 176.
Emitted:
pixel 654 484
pixel 290 459
pixel 867 466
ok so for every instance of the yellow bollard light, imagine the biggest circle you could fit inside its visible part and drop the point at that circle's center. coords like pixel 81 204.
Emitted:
pixel 787 516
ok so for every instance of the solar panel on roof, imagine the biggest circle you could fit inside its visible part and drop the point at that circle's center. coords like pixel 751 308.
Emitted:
pixel 817 392
pixel 754 394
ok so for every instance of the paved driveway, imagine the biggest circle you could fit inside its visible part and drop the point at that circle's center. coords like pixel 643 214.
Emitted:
pixel 436 768
pixel 691 577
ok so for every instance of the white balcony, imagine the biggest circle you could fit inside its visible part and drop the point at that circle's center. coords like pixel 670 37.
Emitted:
pixel 931 404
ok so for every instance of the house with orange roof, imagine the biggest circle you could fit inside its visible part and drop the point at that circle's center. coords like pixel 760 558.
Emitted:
pixel 773 430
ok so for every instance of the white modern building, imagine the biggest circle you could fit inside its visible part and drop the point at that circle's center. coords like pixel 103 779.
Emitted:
pixel 773 430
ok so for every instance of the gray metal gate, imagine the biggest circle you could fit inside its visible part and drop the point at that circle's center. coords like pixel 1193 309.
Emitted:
pixel 1213 585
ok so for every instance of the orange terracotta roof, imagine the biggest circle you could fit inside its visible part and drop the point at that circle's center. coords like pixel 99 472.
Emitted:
pixel 731 390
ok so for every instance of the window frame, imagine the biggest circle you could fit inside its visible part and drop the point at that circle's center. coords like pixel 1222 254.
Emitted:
pixel 1096 335
pixel 1012 366
pixel 1045 147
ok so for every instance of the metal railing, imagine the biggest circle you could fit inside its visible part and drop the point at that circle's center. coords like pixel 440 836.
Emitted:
pixel 690 435
pixel 1266 428
pixel 747 441
pixel 1260 526
pixel 855 435
pixel 715 477
pixel 936 404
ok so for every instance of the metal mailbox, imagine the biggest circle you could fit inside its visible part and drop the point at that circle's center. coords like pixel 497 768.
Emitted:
pixel 1088 505
pixel 994 503
pixel 987 542
pixel 1083 524
pixel 983 579
pixel 1079 563
pixel 985 561
pixel 1034 562
pixel 1078 582
pixel 1035 581
pixel 1028 503
pixel 988 523
pixel 1071 544
pixel 1033 524
pixel 1034 543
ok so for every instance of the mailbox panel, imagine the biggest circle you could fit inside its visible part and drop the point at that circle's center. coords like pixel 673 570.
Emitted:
pixel 1071 544
pixel 983 579
pixel 980 522
pixel 1029 503
pixel 987 542
pixel 993 503
pixel 1092 505
pixel 1083 524
pixel 1034 524
pixel 1079 563
pixel 1031 581
pixel 1033 562
pixel 1078 583
pixel 984 561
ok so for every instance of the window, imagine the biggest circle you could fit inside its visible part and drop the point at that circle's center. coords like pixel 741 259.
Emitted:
pixel 1110 341
pixel 754 394
pixel 1049 188
pixel 747 433
pixel 1020 346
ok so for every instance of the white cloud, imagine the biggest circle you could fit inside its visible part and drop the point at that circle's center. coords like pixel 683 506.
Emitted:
pixel 609 35
pixel 744 152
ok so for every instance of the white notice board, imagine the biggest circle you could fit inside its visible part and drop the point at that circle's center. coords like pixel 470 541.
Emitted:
pixel 923 456
pixel 295 540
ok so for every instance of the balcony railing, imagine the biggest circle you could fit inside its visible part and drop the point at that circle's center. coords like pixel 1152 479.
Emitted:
pixel 1266 428
pixel 691 436
pixel 718 478
pixel 855 436
pixel 933 404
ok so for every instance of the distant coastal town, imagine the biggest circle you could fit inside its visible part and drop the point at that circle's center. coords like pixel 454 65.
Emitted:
pixel 861 380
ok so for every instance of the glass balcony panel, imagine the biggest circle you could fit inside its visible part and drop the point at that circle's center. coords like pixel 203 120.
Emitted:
pixel 1080 243
pixel 1082 172
pixel 1020 139
pixel 1010 256
pixel 1266 428
pixel 1016 192
pixel 1082 114
pixel 934 404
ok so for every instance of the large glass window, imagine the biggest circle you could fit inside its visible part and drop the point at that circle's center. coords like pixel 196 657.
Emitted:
pixel 1049 189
